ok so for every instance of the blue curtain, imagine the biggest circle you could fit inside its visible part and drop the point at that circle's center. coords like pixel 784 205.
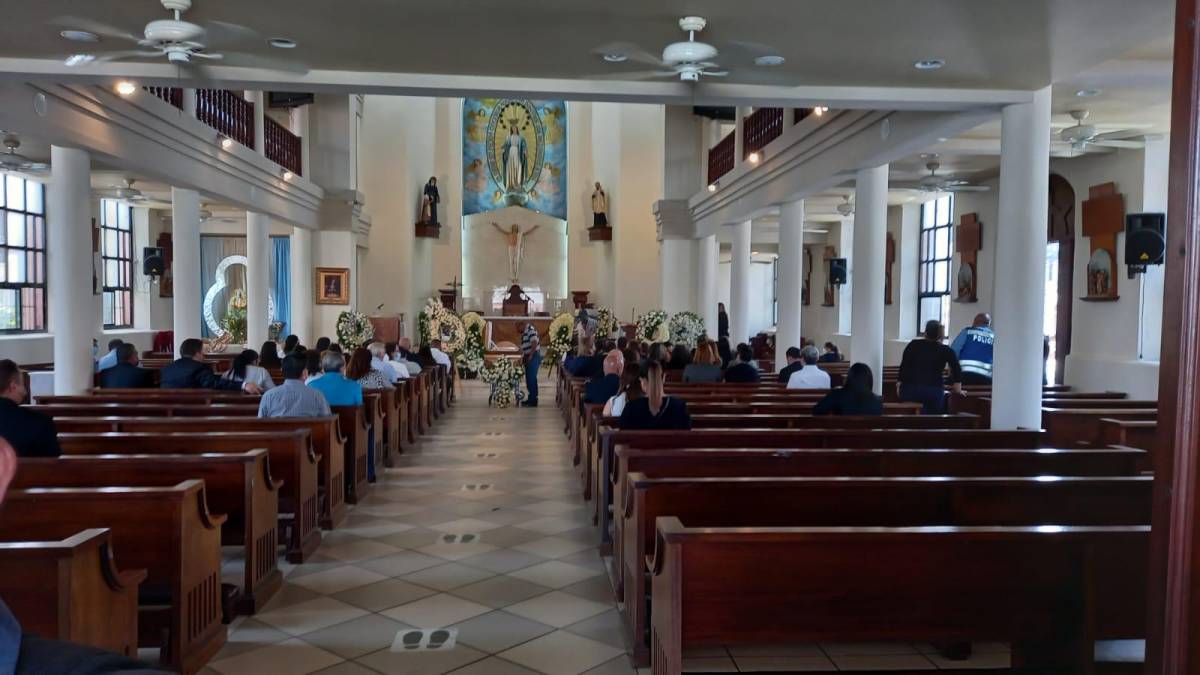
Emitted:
pixel 281 281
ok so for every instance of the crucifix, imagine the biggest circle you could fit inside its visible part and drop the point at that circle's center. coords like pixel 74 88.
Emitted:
pixel 887 269
pixel 1103 219
pixel 967 241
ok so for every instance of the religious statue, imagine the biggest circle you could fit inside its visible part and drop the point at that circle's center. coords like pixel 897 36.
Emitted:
pixel 516 247
pixel 515 161
pixel 234 322
pixel 599 207
pixel 429 202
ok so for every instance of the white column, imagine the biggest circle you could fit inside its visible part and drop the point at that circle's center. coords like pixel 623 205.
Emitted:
pixel 676 258
pixel 870 247
pixel 1020 258
pixel 739 136
pixel 260 120
pixel 302 286
pixel 739 285
pixel 185 244
pixel 302 125
pixel 189 102
pixel 706 288
pixel 791 275
pixel 73 319
pixel 258 278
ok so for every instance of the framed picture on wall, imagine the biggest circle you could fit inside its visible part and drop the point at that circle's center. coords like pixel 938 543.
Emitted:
pixel 333 285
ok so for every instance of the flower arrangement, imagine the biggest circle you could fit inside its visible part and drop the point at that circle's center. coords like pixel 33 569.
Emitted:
pixel 438 323
pixel 652 327
pixel 559 337
pixel 686 328
pixel 607 323
pixel 354 330
pixel 471 355
pixel 504 376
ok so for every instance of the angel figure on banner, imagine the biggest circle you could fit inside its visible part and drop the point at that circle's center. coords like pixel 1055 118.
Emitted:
pixel 516 247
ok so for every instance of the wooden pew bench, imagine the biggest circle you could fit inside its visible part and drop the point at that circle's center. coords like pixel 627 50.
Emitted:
pixel 860 502
pixel 70 589
pixel 1068 427
pixel 165 409
pixel 166 530
pixel 1027 586
pixel 291 455
pixel 238 485
pixel 353 423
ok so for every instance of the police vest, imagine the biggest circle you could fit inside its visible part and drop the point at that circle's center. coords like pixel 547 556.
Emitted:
pixel 976 354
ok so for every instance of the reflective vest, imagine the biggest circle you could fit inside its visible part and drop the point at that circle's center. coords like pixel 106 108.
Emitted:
pixel 976 353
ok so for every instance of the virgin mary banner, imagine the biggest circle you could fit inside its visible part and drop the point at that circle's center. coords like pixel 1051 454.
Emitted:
pixel 515 154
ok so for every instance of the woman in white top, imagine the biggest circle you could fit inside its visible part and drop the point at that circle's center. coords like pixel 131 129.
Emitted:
pixel 631 390
pixel 245 368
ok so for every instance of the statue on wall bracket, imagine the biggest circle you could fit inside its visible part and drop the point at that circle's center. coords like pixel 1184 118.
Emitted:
pixel 428 225
pixel 967 241
pixel 600 230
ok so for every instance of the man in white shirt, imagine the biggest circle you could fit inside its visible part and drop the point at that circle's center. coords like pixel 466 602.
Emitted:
pixel 379 361
pixel 402 356
pixel 810 376
pixel 443 359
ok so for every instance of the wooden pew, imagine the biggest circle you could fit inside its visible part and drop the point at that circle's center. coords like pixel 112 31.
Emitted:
pixel 353 422
pixel 70 589
pixel 860 502
pixel 1028 586
pixel 195 396
pixel 1081 426
pixel 390 401
pixel 168 531
pixel 292 459
pixel 147 410
pixel 238 485
pixel 326 433
pixel 1133 434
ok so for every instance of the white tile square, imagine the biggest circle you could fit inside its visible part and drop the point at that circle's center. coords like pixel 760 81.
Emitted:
pixel 448 576
pixel 754 664
pixel 554 573
pixel 436 611
pixel 550 524
pixel 338 579
pixel 456 551
pixel 465 526
pixel 552 507
pixel 561 653
pixel 305 617
pixel 553 547
pixel 558 609
pixel 356 551
pixel 290 656
pixel 377 527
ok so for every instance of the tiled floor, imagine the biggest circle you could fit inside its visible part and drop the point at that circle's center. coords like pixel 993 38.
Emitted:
pixel 525 594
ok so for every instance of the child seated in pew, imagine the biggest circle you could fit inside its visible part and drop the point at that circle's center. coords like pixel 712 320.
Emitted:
pixel 655 410
pixel 855 397
pixel 631 389
pixel 23 654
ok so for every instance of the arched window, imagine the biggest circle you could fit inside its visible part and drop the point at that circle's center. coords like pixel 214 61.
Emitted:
pixel 22 255
pixel 116 256
pixel 937 248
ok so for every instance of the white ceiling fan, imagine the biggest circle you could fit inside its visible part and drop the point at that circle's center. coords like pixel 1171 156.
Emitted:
pixel 183 43
pixel 688 60
pixel 1082 136
pixel 846 208
pixel 11 160
pixel 207 216
pixel 933 183
pixel 132 196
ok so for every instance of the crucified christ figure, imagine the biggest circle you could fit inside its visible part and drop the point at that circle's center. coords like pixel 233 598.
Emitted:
pixel 516 247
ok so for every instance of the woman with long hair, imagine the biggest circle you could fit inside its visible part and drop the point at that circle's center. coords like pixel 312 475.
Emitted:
pixel 655 410
pixel 245 368
pixel 323 344
pixel 268 356
pixel 681 357
pixel 855 397
pixel 359 369
pixel 289 344
pixel 312 364
pixel 705 365
pixel 631 390
pixel 831 355
pixel 425 357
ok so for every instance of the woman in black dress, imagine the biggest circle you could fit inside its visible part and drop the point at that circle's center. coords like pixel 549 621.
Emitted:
pixel 655 410
pixel 856 397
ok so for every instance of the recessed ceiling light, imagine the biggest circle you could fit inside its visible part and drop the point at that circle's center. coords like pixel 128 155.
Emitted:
pixel 754 158
pixel 226 142
pixel 929 64
pixel 126 88
pixel 78 60
pixel 615 57
pixel 712 187
pixel 288 175
pixel 282 43
pixel 820 110
pixel 768 60
pixel 753 252
pixel 1088 93
pixel 80 36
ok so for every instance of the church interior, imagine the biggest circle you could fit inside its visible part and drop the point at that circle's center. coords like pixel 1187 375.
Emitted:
pixel 619 339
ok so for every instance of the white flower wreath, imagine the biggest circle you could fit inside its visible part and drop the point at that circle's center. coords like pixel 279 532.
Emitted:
pixel 354 330
pixel 503 375
pixel 559 336
pixel 441 323
pixel 471 356
pixel 686 328
pixel 652 327
pixel 606 324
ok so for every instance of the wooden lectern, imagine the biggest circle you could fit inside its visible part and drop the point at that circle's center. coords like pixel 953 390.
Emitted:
pixel 516 304
pixel 387 328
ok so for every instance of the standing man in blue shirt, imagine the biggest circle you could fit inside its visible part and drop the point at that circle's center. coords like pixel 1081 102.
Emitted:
pixel 974 349
pixel 337 388
pixel 531 356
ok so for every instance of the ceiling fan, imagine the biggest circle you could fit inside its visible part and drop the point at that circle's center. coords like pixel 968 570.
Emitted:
pixel 846 208
pixel 127 193
pixel 1081 135
pixel 688 60
pixel 183 43
pixel 11 160
pixel 934 183
pixel 206 216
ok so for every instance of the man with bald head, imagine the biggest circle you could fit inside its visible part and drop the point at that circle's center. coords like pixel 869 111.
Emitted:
pixel 974 349
pixel 603 387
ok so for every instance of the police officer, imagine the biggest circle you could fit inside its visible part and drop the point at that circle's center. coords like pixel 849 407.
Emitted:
pixel 974 349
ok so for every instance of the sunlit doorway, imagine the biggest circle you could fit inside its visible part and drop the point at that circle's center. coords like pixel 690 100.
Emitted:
pixel 1050 313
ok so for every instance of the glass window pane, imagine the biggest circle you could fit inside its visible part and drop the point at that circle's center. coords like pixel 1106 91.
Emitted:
pixel 942 276
pixel 109 246
pixel 943 243
pixel 16 266
pixel 34 197
pixel 15 187
pixel 108 308
pixel 16 229
pixel 108 212
pixel 943 210
pixel 40 268
pixel 124 246
pixel 9 310
pixel 126 218
pixel 39 230
pixel 111 273
pixel 39 305
pixel 927 213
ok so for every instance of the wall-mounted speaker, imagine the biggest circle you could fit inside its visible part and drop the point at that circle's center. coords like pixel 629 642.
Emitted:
pixel 837 271
pixel 153 264
pixel 1145 239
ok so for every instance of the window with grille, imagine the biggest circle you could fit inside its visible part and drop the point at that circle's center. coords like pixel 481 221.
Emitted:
pixel 937 249
pixel 22 255
pixel 116 258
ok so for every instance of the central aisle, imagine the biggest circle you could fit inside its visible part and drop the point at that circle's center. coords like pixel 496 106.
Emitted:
pixel 526 595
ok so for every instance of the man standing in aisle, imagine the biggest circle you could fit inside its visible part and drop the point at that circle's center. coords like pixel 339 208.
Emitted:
pixel 531 356
pixel 973 346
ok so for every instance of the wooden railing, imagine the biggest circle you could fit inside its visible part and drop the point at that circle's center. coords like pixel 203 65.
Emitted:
pixel 172 95
pixel 227 112
pixel 760 128
pixel 800 113
pixel 721 158
pixel 281 146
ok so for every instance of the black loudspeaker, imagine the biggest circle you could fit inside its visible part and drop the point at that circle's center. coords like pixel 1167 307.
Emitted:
pixel 152 261
pixel 1145 239
pixel 837 271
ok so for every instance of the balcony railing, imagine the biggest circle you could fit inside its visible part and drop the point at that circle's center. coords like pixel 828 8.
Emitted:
pixel 721 158
pixel 281 146
pixel 760 128
pixel 800 113
pixel 227 112
pixel 172 95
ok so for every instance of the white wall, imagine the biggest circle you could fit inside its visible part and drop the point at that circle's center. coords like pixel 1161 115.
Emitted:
pixel 986 206
pixel 543 268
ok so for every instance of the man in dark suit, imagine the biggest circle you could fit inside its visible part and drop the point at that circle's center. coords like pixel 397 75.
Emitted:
pixel 603 387
pixel 742 370
pixel 31 433
pixel 190 371
pixel 793 364
pixel 126 374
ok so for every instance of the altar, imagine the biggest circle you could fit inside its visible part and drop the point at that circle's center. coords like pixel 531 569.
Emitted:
pixel 504 328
